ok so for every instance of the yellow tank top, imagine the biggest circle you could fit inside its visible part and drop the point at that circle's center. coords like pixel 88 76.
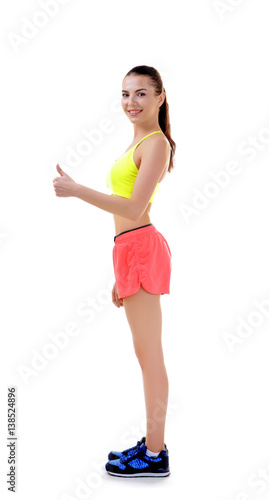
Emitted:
pixel 120 178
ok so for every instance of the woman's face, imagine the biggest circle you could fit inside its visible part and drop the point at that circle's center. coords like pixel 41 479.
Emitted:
pixel 139 101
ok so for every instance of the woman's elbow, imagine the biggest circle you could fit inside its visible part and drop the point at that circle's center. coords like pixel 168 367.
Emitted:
pixel 137 211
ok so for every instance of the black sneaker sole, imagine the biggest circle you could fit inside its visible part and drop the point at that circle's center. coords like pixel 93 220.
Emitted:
pixel 141 474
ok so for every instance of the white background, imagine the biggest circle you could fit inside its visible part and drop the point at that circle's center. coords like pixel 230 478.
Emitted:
pixel 56 253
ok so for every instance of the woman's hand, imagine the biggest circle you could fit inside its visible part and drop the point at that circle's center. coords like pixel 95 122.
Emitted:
pixel 64 185
pixel 115 297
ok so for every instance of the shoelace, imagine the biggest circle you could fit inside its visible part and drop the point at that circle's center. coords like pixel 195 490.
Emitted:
pixel 132 449
pixel 127 458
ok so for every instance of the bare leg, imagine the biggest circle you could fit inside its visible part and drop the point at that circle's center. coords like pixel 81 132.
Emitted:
pixel 144 315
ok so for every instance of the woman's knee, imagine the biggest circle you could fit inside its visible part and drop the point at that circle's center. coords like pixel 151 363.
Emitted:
pixel 149 359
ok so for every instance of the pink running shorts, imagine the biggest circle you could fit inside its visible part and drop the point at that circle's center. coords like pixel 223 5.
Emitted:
pixel 141 255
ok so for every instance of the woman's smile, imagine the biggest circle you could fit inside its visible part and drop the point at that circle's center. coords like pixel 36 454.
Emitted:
pixel 134 112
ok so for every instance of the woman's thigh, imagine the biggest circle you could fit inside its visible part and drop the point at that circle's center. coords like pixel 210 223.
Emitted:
pixel 144 315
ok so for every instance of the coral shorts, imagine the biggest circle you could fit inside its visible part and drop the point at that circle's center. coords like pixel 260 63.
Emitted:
pixel 141 255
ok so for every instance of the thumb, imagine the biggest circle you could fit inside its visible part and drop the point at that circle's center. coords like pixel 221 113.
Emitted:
pixel 61 172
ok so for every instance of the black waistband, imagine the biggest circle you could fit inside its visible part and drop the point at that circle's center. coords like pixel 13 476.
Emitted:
pixel 132 230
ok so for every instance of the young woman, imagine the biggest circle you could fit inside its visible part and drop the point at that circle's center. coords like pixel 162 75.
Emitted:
pixel 141 255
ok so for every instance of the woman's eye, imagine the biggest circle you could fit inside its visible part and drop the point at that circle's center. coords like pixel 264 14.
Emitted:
pixel 140 93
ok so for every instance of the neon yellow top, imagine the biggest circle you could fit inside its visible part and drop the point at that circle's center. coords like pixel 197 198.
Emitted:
pixel 120 178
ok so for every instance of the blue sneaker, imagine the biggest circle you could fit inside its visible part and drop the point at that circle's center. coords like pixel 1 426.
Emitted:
pixel 140 465
pixel 114 455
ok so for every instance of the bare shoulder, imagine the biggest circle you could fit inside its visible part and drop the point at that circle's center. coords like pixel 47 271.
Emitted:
pixel 159 139
pixel 157 143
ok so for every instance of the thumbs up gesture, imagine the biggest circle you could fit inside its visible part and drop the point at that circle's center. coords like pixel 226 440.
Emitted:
pixel 64 186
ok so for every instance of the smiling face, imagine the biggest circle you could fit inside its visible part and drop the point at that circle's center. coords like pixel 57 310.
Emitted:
pixel 139 101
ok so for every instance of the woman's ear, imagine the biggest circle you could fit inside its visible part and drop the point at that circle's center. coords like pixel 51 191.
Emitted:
pixel 162 97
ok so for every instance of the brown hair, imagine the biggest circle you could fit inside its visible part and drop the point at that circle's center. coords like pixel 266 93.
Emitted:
pixel 164 119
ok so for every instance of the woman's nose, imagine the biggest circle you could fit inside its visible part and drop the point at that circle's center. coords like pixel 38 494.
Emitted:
pixel 131 102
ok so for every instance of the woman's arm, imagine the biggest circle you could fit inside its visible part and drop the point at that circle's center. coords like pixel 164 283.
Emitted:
pixel 155 157
pixel 65 186
pixel 113 204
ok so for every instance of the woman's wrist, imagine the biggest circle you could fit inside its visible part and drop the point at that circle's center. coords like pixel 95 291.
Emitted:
pixel 76 190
